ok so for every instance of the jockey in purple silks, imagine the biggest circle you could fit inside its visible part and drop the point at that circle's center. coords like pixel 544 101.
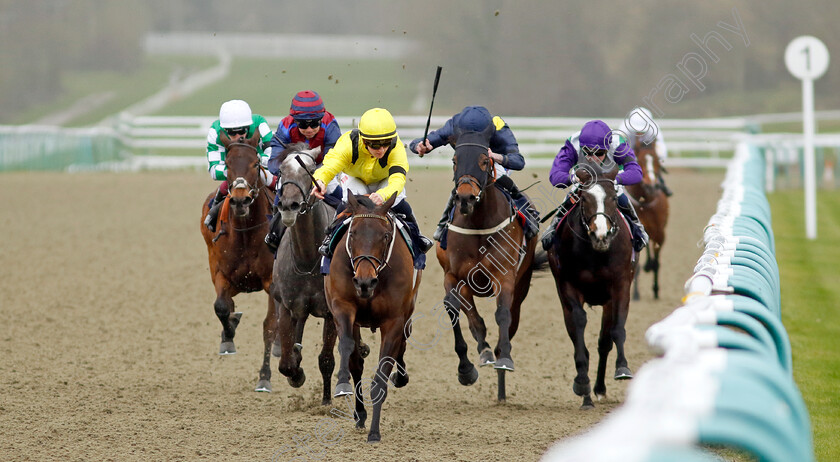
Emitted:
pixel 596 146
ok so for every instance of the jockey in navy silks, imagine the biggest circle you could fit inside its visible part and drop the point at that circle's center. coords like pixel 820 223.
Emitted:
pixel 503 149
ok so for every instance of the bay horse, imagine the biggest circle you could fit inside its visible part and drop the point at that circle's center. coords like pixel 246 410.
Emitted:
pixel 486 256
pixel 297 284
pixel 651 204
pixel 592 262
pixel 239 259
pixel 372 283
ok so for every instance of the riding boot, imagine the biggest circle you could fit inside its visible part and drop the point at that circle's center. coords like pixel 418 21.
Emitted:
pixel 213 213
pixel 532 216
pixel 640 237
pixel 444 219
pixel 549 235
pixel 324 248
pixel 664 187
pixel 421 242
pixel 276 229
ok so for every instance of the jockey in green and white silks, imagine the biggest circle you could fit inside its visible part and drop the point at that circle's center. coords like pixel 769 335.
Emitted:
pixel 238 123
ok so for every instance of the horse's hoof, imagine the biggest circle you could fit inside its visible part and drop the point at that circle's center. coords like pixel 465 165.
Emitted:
pixel 399 380
pixel 504 364
pixel 600 396
pixel 468 378
pixel 263 386
pixel 587 404
pixel 343 389
pixel 227 348
pixel 276 350
pixel 623 373
pixel 374 438
pixel 486 358
pixel 582 389
pixel 364 350
pixel 296 381
pixel 326 401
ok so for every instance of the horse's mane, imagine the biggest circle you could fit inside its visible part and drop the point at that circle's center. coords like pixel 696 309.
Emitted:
pixel 299 147
pixel 366 202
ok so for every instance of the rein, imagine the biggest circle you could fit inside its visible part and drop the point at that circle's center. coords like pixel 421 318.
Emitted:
pixel 379 264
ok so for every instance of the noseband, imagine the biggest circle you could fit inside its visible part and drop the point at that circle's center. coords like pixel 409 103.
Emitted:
pixel 239 182
pixel 378 263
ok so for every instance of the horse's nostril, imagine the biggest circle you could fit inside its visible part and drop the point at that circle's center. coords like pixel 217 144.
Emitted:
pixel 373 282
pixel 294 206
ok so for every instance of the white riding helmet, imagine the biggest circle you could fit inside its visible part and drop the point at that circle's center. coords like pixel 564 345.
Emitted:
pixel 235 113
pixel 641 120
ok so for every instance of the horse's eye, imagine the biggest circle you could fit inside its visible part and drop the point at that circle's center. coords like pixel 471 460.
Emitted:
pixel 387 237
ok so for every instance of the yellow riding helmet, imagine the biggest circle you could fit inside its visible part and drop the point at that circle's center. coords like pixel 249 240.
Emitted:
pixel 377 124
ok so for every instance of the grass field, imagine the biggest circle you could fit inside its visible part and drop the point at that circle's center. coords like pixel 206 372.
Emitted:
pixel 810 308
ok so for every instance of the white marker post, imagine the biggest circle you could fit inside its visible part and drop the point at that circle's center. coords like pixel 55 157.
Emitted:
pixel 806 57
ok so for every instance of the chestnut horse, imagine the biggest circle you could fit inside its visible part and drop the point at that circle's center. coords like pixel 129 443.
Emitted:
pixel 239 259
pixel 651 205
pixel 486 256
pixel 592 262
pixel 372 283
pixel 298 286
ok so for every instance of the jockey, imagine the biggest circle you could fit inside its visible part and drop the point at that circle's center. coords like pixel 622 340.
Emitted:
pixel 640 123
pixel 308 122
pixel 374 160
pixel 504 150
pixel 237 123
pixel 602 149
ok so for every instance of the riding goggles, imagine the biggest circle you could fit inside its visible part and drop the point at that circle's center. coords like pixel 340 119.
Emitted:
pixel 304 124
pixel 236 131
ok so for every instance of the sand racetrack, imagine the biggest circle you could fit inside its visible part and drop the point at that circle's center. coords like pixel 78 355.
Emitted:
pixel 111 340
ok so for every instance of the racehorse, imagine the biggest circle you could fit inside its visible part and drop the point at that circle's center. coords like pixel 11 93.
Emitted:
pixel 239 259
pixel 298 286
pixel 591 261
pixel 651 204
pixel 372 283
pixel 486 256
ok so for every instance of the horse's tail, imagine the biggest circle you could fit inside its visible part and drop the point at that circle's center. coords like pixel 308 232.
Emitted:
pixel 540 261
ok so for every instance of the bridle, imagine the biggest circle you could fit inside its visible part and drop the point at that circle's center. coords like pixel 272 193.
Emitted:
pixel 377 263
pixel 307 204
pixel 586 220
pixel 467 178
pixel 239 182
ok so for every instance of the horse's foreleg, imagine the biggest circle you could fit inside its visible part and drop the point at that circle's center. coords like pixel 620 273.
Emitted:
pixel 224 307
pixel 574 317
pixel 621 306
pixel 346 347
pixel 357 366
pixel 467 373
pixel 326 360
pixel 504 319
pixel 478 330
pixel 270 328
pixel 656 248
pixel 392 344
pixel 289 355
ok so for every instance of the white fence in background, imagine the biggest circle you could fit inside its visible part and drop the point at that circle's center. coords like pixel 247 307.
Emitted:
pixel 691 142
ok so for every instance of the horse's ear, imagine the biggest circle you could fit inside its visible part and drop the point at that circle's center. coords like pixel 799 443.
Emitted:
pixel 314 152
pixel 254 140
pixel 584 175
pixel 383 209
pixel 224 138
pixel 352 202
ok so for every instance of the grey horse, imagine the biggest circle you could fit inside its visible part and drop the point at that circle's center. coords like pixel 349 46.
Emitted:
pixel 297 284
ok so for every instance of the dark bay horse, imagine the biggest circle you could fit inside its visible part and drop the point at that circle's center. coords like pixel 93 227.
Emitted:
pixel 372 283
pixel 651 204
pixel 298 286
pixel 591 260
pixel 486 256
pixel 239 259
